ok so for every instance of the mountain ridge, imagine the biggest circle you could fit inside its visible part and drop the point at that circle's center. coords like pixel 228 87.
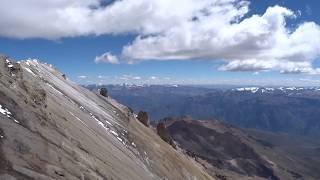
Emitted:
pixel 52 128
pixel 282 109
pixel 227 152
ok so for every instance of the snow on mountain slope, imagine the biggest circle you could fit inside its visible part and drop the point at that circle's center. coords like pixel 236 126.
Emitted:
pixel 50 128
pixel 278 89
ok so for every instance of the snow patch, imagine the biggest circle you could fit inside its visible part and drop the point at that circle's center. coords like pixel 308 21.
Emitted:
pixel 107 128
pixel 252 89
pixel 75 116
pixel 10 66
pixel 270 89
pixel 114 133
pixel 119 139
pixel 108 123
pixel 29 70
pixel 133 144
pixel 291 88
pixel 55 89
pixel 7 113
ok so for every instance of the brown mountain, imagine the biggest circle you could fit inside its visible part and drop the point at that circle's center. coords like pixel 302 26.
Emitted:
pixel 230 153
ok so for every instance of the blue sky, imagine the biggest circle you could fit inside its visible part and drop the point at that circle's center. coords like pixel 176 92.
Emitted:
pixel 75 55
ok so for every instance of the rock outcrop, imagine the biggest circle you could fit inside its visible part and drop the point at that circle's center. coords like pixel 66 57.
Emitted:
pixel 164 134
pixel 143 118
pixel 104 92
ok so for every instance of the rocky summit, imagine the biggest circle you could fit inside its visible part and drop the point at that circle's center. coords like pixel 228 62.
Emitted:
pixel 51 128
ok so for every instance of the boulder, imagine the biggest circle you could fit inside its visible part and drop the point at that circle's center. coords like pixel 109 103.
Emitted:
pixel 104 92
pixel 143 118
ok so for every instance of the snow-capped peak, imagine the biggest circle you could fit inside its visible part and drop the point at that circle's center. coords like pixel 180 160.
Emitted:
pixel 252 89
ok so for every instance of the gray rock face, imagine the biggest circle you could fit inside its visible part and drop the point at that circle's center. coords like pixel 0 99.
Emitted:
pixel 143 118
pixel 104 92
pixel 50 128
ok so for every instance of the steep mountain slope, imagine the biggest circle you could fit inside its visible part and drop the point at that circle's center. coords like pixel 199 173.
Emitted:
pixel 230 153
pixel 299 153
pixel 51 128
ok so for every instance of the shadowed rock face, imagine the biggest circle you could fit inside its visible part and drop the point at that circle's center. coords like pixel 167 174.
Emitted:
pixel 50 128
pixel 143 118
pixel 104 92
pixel 164 134
pixel 220 147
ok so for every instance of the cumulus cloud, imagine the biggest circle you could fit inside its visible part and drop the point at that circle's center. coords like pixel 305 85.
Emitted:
pixel 286 67
pixel 107 58
pixel 175 30
pixel 52 19
pixel 259 42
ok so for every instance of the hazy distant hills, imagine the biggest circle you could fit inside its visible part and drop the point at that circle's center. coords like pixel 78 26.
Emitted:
pixel 278 109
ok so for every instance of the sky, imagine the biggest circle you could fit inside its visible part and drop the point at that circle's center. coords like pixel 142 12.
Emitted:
pixel 262 42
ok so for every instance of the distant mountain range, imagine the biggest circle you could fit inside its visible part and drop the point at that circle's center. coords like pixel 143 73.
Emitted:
pixel 278 109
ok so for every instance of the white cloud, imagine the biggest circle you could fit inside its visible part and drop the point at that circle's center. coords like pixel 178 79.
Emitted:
pixel 129 77
pixel 103 77
pixel 124 77
pixel 153 77
pixel 286 67
pixel 252 44
pixel 136 77
pixel 53 19
pixel 107 58
pixel 82 77
pixel 180 30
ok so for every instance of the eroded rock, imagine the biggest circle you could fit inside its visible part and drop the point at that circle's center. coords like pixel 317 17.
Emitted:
pixel 104 92
pixel 143 118
pixel 164 134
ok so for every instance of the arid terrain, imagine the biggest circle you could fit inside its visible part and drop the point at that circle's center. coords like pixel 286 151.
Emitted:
pixel 249 154
pixel 51 128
